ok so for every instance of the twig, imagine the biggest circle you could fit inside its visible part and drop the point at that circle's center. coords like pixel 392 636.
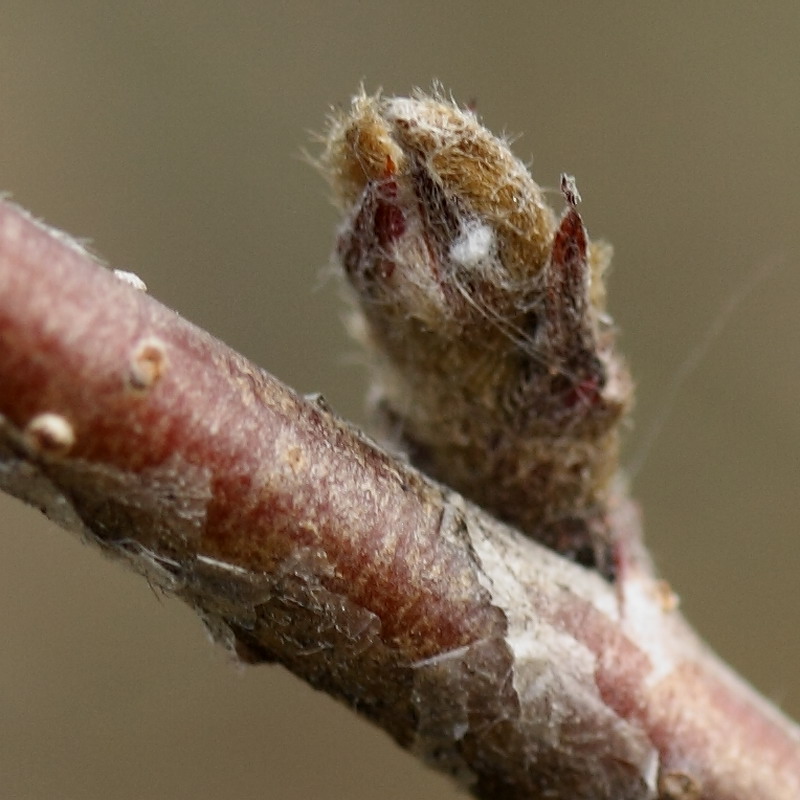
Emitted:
pixel 298 540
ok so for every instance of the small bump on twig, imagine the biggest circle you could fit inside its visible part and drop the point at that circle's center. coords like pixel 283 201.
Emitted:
pixel 131 278
pixel 148 363
pixel 50 434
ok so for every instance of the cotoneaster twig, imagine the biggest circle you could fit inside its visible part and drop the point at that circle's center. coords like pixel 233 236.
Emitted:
pixel 298 540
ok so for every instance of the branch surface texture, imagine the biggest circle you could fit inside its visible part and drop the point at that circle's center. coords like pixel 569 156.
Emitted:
pixel 534 657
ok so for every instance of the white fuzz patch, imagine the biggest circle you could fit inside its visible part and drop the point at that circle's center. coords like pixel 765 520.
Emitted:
pixel 474 245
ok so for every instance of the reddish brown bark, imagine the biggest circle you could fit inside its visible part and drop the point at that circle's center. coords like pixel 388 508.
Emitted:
pixel 299 541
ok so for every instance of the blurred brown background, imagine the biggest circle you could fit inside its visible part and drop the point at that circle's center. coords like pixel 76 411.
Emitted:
pixel 170 135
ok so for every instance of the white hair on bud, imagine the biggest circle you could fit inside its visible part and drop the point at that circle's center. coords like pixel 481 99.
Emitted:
pixel 474 245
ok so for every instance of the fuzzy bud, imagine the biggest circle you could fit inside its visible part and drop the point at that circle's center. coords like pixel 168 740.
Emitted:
pixel 493 359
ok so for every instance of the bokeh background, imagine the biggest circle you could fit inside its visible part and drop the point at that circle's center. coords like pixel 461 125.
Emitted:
pixel 170 134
